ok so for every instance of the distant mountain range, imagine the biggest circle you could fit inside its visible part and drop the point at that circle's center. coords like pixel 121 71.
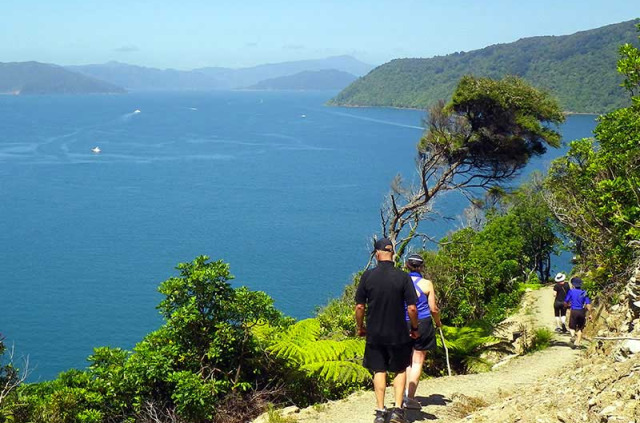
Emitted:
pixel 138 78
pixel 579 69
pixel 40 78
pixel 245 77
pixel 115 77
pixel 327 79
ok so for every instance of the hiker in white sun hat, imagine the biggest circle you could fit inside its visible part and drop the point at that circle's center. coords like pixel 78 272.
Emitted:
pixel 559 308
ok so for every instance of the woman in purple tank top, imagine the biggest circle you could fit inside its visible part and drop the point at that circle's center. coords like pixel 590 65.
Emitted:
pixel 428 313
pixel 580 303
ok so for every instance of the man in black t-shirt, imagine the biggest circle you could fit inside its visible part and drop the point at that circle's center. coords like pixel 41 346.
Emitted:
pixel 559 308
pixel 382 293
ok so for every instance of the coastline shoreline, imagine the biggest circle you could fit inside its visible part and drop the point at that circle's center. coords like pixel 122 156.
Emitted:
pixel 356 106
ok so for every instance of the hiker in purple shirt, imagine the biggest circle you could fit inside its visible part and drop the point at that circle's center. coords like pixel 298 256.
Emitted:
pixel 580 304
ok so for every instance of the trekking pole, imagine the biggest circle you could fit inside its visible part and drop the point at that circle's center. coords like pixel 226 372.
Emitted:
pixel 446 350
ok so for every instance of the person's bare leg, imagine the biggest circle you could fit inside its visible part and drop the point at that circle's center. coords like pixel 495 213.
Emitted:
pixel 398 385
pixel 414 372
pixel 379 386
pixel 578 337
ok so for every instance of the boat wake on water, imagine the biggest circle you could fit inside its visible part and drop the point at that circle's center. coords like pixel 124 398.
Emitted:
pixel 384 122
pixel 127 116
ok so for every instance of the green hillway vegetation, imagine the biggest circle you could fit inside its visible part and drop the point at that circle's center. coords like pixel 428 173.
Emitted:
pixel 223 353
pixel 578 69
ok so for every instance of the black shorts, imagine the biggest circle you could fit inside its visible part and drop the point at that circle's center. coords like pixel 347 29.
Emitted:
pixel 577 320
pixel 426 335
pixel 559 308
pixel 387 358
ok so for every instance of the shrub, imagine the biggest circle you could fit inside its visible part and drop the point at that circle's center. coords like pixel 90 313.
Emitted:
pixel 204 353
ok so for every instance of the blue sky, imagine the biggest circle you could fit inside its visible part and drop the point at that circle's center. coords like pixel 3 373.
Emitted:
pixel 194 33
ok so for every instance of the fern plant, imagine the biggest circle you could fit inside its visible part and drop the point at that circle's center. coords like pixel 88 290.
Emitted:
pixel 337 361
pixel 467 344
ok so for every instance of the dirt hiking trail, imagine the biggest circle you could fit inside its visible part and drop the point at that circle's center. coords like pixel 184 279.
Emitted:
pixel 445 398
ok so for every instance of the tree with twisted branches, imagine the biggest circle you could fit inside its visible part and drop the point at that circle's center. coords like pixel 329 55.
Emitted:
pixel 479 140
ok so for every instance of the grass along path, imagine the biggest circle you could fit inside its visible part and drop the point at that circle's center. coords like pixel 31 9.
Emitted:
pixel 452 398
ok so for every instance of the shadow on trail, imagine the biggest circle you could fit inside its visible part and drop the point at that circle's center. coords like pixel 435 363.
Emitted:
pixel 561 340
pixel 434 399
pixel 419 416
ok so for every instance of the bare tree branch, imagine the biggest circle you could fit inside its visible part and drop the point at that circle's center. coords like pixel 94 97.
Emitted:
pixel 10 376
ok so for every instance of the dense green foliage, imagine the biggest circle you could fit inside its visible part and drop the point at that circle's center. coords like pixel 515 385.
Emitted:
pixel 337 317
pixel 478 272
pixel 202 354
pixel 501 124
pixel 333 360
pixel 466 346
pixel 578 69
pixel 594 190
pixel 221 348
pixel 40 78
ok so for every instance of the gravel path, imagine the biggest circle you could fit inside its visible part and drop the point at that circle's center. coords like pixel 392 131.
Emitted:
pixel 439 396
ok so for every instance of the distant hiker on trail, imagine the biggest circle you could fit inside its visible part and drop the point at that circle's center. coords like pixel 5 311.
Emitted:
pixel 578 300
pixel 427 309
pixel 561 289
pixel 382 293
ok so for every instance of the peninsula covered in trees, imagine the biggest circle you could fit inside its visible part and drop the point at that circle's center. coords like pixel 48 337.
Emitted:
pixel 578 69
pixel 326 79
pixel 42 78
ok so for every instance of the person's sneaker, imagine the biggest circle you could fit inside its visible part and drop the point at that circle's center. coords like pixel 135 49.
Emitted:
pixel 411 404
pixel 397 416
pixel 558 330
pixel 381 416
pixel 564 328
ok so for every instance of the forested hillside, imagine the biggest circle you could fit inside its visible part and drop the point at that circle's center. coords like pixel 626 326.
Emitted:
pixel 42 78
pixel 327 79
pixel 578 69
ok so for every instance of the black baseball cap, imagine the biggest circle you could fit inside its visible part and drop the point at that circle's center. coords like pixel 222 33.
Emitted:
pixel 383 244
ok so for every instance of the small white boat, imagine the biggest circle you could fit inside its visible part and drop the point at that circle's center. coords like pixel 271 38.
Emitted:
pixel 136 111
pixel 303 116
pixel 96 150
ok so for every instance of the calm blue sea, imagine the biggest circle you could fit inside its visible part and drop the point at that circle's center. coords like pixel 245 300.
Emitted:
pixel 284 189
